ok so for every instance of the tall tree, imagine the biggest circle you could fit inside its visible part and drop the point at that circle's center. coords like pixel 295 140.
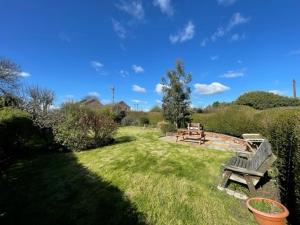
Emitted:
pixel 176 95
pixel 9 76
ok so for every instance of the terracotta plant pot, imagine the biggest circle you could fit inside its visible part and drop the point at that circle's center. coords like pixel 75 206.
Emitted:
pixel 263 218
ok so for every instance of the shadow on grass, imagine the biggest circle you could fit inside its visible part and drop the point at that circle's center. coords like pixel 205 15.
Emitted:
pixel 56 189
pixel 124 139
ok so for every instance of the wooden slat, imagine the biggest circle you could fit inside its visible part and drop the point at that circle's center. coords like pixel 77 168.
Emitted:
pixel 250 185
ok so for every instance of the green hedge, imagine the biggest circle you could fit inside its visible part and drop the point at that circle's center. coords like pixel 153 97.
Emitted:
pixel 17 133
pixel 265 100
pixel 281 126
pixel 137 118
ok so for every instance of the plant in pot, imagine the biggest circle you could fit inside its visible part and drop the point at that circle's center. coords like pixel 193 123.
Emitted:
pixel 267 211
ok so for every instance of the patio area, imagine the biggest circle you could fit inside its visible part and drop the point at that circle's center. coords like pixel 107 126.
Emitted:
pixel 214 141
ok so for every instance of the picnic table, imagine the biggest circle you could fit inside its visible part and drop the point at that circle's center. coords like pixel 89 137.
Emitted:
pixel 190 135
pixel 253 141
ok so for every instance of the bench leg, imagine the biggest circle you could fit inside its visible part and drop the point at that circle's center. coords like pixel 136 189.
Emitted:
pixel 226 176
pixel 250 185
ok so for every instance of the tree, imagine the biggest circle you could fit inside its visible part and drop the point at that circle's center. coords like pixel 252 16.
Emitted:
pixel 9 76
pixel 176 95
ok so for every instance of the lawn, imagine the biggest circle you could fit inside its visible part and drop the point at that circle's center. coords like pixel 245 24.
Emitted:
pixel 138 180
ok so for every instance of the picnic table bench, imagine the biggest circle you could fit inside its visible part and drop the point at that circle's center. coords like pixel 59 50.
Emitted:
pixel 194 133
pixel 248 170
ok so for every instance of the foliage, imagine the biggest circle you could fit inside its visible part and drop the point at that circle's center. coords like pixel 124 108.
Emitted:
pixel 9 76
pixel 163 182
pixel 176 95
pixel 282 128
pixel 155 109
pixel 234 120
pixel 166 127
pixel 129 120
pixel 18 134
pixel 265 206
pixel 9 100
pixel 264 100
pixel 144 121
pixel 80 127
pixel 37 104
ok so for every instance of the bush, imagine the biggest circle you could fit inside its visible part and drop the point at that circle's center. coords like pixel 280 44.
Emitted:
pixel 80 127
pixel 264 100
pixel 166 127
pixel 154 117
pixel 144 121
pixel 18 134
pixel 129 121
pixel 282 127
pixel 232 120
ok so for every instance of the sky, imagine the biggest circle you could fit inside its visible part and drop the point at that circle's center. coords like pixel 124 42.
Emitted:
pixel 79 48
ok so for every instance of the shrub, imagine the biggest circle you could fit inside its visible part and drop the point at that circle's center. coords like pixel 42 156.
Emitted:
pixel 233 120
pixel 129 121
pixel 18 134
pixel 154 117
pixel 264 100
pixel 166 127
pixel 144 121
pixel 282 127
pixel 80 127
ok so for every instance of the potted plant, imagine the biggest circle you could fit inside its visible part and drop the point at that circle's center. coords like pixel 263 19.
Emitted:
pixel 267 211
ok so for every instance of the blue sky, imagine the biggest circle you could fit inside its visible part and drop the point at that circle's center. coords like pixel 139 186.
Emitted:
pixel 78 47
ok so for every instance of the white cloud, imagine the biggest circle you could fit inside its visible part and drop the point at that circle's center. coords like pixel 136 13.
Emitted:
pixel 226 2
pixel 133 8
pixel 96 65
pixel 165 6
pixel 234 73
pixel 204 42
pixel 276 92
pixel 94 94
pixel 159 87
pixel 24 74
pixel 219 33
pixel 138 101
pixel 119 29
pixel 237 37
pixel 139 89
pixel 124 73
pixel 295 52
pixel 137 69
pixel 239 61
pixel 53 107
pixel 237 19
pixel 210 89
pixel 214 57
pixel 158 101
pixel 187 33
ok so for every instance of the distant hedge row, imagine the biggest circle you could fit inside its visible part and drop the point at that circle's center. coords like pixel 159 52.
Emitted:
pixel 141 118
pixel 281 126
pixel 265 100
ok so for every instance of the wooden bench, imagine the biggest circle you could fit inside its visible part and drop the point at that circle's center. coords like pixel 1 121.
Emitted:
pixel 248 170
pixel 194 133
pixel 194 128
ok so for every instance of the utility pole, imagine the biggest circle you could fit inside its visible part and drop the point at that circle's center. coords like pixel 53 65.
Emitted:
pixel 113 94
pixel 294 89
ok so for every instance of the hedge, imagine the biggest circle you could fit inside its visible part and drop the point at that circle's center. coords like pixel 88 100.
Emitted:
pixel 282 127
pixel 18 135
pixel 265 100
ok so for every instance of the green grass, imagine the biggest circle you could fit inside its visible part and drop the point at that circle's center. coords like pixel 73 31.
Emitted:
pixel 265 206
pixel 138 180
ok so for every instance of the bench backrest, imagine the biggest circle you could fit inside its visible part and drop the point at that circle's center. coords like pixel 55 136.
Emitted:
pixel 194 126
pixel 263 152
